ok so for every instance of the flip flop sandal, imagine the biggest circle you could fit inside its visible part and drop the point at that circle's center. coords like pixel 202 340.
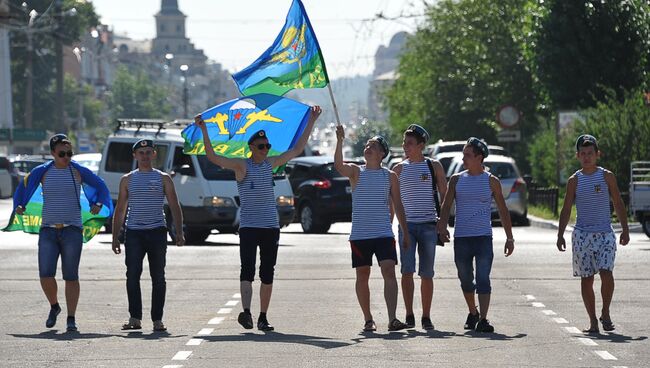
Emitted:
pixel 370 326
pixel 591 330
pixel 133 324
pixel 158 326
pixel 607 325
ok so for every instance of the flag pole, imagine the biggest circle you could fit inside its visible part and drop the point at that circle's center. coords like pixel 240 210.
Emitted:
pixel 336 111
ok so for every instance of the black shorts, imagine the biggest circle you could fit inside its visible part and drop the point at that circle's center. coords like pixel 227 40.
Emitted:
pixel 362 251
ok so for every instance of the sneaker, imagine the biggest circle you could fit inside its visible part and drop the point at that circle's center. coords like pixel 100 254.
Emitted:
pixel 245 320
pixel 51 318
pixel 396 325
pixel 264 325
pixel 71 325
pixel 471 321
pixel 410 321
pixel 484 326
pixel 426 323
pixel 159 326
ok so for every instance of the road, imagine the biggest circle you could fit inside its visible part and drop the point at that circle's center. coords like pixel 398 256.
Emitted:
pixel 536 309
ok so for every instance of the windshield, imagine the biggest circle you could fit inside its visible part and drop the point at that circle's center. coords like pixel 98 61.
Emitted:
pixel 502 170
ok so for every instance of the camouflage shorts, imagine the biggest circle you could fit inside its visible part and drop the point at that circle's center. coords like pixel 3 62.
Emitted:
pixel 592 252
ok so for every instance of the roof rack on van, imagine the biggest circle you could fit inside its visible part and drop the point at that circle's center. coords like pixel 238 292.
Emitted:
pixel 150 123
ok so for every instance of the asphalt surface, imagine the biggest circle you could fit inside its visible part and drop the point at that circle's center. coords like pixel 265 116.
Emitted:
pixel 536 309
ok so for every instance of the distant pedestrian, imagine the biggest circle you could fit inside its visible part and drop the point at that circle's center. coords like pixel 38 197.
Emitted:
pixel 259 224
pixel 473 191
pixel 593 240
pixel 61 232
pixel 375 190
pixel 141 199
pixel 418 176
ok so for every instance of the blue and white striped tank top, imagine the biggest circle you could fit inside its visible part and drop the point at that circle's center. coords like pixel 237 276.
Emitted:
pixel 61 198
pixel 146 200
pixel 473 205
pixel 416 189
pixel 592 202
pixel 370 206
pixel 257 198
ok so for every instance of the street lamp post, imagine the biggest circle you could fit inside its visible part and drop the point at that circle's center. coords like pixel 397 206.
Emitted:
pixel 184 69
pixel 168 65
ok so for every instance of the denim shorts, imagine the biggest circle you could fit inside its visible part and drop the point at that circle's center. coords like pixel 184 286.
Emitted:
pixel 423 238
pixel 66 242
pixel 468 249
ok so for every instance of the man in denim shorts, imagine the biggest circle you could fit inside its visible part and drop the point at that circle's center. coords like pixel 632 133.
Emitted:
pixel 416 188
pixel 61 228
pixel 593 239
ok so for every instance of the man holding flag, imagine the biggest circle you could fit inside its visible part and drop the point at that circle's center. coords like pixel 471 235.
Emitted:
pixel 259 224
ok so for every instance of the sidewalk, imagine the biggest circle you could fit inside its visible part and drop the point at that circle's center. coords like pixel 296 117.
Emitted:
pixel 635 227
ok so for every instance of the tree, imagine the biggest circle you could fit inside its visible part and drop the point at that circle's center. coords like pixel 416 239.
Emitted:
pixel 367 130
pixel 137 96
pixel 584 48
pixel 463 64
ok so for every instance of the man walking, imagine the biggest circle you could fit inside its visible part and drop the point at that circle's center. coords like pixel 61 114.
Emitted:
pixel 141 198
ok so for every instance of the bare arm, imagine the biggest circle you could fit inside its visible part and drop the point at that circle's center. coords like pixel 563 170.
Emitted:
pixel 282 159
pixel 396 200
pixel 235 164
pixel 174 206
pixel 349 170
pixel 120 212
pixel 619 207
pixel 450 195
pixel 569 198
pixel 495 185
pixel 441 178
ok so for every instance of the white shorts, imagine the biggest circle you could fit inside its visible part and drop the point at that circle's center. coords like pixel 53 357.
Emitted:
pixel 592 252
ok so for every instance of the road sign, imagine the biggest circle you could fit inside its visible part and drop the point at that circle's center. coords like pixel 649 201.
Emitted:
pixel 507 135
pixel 508 116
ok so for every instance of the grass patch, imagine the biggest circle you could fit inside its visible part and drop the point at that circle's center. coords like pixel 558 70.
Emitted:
pixel 547 214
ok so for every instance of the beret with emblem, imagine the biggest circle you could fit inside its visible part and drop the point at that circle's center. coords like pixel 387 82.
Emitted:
pixel 142 143
pixel 256 135
pixel 58 138
pixel 586 140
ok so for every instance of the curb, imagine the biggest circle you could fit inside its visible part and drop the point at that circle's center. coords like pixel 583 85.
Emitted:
pixel 635 227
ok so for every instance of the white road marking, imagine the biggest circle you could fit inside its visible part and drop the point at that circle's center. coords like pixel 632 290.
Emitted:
pixel 586 341
pixel 237 296
pixel 560 320
pixel 232 303
pixel 573 330
pixel 216 320
pixel 224 311
pixel 205 331
pixel 182 355
pixel 194 342
pixel 605 355
pixel 538 305
pixel 549 312
pixel 530 297
pixel 172 366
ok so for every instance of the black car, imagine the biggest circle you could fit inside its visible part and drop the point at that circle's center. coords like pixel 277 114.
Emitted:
pixel 322 195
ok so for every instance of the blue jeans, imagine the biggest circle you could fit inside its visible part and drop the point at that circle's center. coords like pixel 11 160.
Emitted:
pixel 66 242
pixel 137 244
pixel 423 239
pixel 468 249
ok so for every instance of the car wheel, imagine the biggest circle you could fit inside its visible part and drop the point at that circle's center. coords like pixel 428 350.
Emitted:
pixel 309 223
pixel 646 225
pixel 171 229
pixel 196 235
pixel 520 220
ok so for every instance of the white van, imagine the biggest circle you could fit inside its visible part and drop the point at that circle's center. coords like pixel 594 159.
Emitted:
pixel 207 193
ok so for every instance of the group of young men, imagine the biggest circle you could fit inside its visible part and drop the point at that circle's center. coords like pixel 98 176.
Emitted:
pixel 410 192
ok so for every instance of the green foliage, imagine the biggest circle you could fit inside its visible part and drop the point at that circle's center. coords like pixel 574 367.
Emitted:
pixel 366 131
pixel 73 92
pixel 135 95
pixel 583 48
pixel 543 158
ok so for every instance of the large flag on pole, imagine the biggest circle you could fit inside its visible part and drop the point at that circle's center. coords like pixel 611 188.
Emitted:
pixel 294 61
pixel 231 123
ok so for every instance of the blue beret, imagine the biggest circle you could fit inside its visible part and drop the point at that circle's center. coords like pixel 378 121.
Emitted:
pixel 418 130
pixel 142 143
pixel 480 144
pixel 257 134
pixel 58 138
pixel 586 140
pixel 384 144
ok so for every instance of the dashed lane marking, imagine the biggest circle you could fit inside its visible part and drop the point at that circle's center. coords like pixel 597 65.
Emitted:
pixel 560 320
pixel 530 297
pixel 586 341
pixel 205 331
pixel 573 330
pixel 605 355
pixel 182 355
pixel 194 342
pixel 237 296
pixel 538 305
pixel 549 312
pixel 172 366
pixel 224 311
pixel 232 303
pixel 216 320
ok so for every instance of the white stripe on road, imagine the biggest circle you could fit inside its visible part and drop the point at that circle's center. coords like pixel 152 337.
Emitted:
pixel 573 330
pixel 216 320
pixel 224 311
pixel 538 305
pixel 205 331
pixel 619 366
pixel 182 355
pixel 560 320
pixel 232 303
pixel 194 342
pixel 586 341
pixel 530 297
pixel 549 312
pixel 237 296
pixel 172 366
pixel 605 355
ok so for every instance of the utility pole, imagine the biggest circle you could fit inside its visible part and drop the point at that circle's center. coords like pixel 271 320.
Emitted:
pixel 6 108
pixel 29 76
pixel 60 124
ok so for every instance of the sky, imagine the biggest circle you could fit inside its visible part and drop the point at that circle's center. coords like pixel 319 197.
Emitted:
pixel 235 32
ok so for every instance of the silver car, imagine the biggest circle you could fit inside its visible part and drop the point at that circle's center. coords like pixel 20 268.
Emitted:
pixel 513 186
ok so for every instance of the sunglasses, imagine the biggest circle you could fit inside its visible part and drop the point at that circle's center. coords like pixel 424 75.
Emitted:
pixel 64 153
pixel 262 146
